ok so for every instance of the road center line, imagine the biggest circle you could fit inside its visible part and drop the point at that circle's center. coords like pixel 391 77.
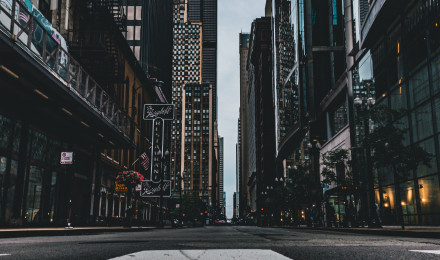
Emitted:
pixel 435 252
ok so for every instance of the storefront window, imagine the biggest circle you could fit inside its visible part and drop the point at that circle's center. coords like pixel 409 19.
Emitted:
pixel 403 124
pixel 103 202
pixel 116 201
pixel 5 131
pixel 17 136
pixel 429 147
pixel 422 122
pixel 398 98
pixel 437 112
pixel 430 199
pixel 436 73
pixel 388 206
pixel 386 176
pixel 33 197
pixel 11 189
pixel 39 144
pixel 52 197
pixel 409 206
pixel 3 161
pixel 419 87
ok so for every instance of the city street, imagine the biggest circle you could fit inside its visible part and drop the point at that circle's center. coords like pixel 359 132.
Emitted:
pixel 220 243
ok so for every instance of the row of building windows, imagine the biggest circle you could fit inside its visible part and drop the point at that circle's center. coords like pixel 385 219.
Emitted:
pixel 187 31
pixel 186 78
pixel 186 47
pixel 195 36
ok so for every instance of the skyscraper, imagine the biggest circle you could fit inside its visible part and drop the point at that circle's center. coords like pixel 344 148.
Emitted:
pixel 194 63
pixel 157 36
pixel 205 11
pixel 221 173
pixel 243 145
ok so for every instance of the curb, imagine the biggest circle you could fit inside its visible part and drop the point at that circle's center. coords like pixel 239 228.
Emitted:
pixel 380 232
pixel 67 232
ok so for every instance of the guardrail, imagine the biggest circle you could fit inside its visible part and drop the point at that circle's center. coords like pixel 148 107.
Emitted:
pixel 27 30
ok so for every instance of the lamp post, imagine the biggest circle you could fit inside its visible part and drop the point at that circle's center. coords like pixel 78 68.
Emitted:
pixel 163 157
pixel 362 107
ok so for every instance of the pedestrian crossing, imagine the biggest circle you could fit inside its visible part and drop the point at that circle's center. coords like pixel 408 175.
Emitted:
pixel 211 254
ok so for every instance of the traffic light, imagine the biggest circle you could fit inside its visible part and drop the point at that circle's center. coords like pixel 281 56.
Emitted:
pixel 262 209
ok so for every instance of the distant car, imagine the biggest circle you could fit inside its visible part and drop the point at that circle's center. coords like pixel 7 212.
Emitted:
pixel 229 222
pixel 176 223
pixel 220 222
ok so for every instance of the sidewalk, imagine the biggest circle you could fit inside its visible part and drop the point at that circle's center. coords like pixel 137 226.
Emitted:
pixel 59 231
pixel 409 231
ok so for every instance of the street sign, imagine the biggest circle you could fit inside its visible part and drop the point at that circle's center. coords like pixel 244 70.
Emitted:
pixel 152 189
pixel 66 158
pixel 139 187
pixel 153 111
pixel 120 187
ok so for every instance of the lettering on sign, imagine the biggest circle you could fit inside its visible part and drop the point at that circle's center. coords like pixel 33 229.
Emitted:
pixel 165 112
pixel 120 187
pixel 66 158
pixel 157 147
pixel 156 189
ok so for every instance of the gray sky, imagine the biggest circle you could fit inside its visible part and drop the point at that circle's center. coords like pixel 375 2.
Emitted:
pixel 234 16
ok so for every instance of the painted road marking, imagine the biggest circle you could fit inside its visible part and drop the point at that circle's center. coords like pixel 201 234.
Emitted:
pixel 211 254
pixel 436 252
pixel 5 254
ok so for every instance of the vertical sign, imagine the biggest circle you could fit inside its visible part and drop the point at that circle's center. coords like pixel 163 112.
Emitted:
pixel 157 186
pixel 158 129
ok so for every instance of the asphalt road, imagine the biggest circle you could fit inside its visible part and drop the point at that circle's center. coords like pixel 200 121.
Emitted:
pixel 291 243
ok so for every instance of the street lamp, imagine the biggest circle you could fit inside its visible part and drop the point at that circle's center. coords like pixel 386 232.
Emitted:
pixel 362 107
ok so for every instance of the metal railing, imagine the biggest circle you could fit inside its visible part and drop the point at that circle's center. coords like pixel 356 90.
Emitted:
pixel 27 31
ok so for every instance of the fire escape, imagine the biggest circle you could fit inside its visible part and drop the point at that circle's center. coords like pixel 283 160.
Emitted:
pixel 94 41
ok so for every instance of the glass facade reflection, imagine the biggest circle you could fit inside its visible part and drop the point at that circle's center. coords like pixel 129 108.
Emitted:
pixel 402 73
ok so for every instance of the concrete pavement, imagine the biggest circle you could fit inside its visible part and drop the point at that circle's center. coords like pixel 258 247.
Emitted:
pixel 239 242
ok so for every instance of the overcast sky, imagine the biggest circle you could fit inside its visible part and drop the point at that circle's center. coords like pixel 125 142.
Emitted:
pixel 234 16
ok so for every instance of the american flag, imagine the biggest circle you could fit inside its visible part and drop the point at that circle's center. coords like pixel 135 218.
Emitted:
pixel 146 161
pixel 23 16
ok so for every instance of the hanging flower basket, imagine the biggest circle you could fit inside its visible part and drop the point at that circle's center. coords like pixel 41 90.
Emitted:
pixel 129 177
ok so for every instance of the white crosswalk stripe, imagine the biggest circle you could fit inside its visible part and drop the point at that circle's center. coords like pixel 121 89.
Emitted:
pixel 435 252
pixel 211 254
pixel 5 254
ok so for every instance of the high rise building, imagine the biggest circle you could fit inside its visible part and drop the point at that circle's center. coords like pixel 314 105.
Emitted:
pixel 243 145
pixel 285 77
pixel 157 37
pixel 205 11
pixel 194 51
pixel 197 142
pixel 238 164
pixel 262 111
pixel 220 171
